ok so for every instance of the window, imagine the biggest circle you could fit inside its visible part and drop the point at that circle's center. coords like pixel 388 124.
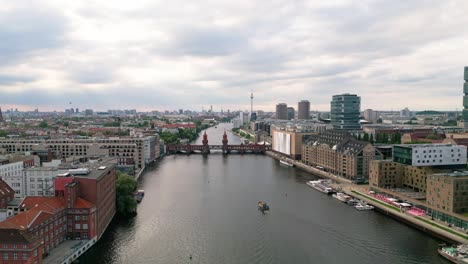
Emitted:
pixel 25 256
pixel 77 226
pixel 15 256
pixel 77 218
pixel 85 226
pixel 5 256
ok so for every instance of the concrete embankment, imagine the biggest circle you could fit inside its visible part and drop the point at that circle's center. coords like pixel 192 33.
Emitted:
pixel 427 225
pixel 308 168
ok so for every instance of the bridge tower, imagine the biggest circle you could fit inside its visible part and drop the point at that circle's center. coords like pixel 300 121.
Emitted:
pixel 225 143
pixel 206 147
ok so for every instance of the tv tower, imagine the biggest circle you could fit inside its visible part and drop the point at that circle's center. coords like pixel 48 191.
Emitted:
pixel 251 102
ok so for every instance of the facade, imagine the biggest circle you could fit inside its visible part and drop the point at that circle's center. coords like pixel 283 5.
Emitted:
pixel 7 194
pixel 448 192
pixel 303 109
pixel 405 112
pixel 39 181
pixel 127 150
pixel 370 115
pixel 288 140
pixel 18 246
pixel 345 110
pixel 430 155
pixel 339 153
pixel 291 113
pixel 385 174
pixel 465 99
pixel 282 111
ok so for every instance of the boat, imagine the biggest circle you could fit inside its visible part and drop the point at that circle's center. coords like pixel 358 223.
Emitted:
pixel 139 195
pixel 321 186
pixel 286 163
pixel 342 197
pixel 456 254
pixel 353 202
pixel 263 206
pixel 363 207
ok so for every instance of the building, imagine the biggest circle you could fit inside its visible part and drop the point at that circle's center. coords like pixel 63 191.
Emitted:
pixel 370 115
pixel 405 112
pixel 7 194
pixel 89 112
pixel 19 246
pixel 282 111
pixel 291 113
pixel 11 171
pixel 1 115
pixel 287 139
pixel 303 109
pixel 340 153
pixel 345 110
pixel 446 155
pixel 465 99
pixel 448 192
pixel 128 151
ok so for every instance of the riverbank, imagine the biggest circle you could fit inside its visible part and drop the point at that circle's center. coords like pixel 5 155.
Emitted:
pixel 423 223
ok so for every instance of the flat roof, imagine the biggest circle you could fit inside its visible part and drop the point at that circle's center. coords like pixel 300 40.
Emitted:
pixel 453 174
pixel 436 145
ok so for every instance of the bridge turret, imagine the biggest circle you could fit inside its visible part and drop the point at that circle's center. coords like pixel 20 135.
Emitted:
pixel 205 139
pixel 225 140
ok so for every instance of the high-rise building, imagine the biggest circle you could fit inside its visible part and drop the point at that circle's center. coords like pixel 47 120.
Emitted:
pixel 370 115
pixel 291 113
pixel 1 116
pixel 465 99
pixel 303 110
pixel 345 109
pixel 282 111
pixel 405 112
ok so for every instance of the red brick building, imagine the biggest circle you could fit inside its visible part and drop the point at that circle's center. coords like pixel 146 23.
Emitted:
pixel 83 206
pixel 6 194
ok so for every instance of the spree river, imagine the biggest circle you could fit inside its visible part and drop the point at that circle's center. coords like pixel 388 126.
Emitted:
pixel 206 208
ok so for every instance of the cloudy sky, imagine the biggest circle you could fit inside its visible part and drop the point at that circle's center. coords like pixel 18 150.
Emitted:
pixel 156 55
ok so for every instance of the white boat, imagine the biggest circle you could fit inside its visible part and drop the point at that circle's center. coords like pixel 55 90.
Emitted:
pixel 320 186
pixel 286 163
pixel 352 201
pixel 342 197
pixel 363 207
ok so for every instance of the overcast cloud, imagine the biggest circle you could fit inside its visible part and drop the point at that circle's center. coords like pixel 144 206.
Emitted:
pixel 156 55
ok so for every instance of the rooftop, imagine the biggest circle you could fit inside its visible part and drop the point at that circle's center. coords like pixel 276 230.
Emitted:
pixel 438 145
pixel 453 174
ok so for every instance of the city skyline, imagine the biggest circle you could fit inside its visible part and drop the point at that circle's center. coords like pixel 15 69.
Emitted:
pixel 155 56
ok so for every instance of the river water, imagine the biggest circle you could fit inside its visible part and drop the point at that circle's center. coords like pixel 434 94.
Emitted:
pixel 206 208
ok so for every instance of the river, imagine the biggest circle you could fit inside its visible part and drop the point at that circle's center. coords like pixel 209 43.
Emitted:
pixel 206 208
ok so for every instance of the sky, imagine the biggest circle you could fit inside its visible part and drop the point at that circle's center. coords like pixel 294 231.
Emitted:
pixel 157 55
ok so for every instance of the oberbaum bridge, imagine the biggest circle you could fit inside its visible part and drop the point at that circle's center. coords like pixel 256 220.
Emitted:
pixel 225 147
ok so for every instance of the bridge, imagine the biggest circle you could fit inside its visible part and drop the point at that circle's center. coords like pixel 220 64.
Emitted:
pixel 205 148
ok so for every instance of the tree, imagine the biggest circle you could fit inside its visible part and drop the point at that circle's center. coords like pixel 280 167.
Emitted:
pixel 125 189
pixel 365 137
pixel 43 124
pixel 371 139
pixel 379 121
pixel 359 137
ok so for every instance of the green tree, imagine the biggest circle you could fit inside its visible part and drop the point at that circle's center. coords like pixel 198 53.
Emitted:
pixel 379 121
pixel 43 124
pixel 3 133
pixel 365 137
pixel 371 138
pixel 125 189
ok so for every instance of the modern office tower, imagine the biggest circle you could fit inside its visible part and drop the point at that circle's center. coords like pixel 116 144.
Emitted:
pixel 1 116
pixel 345 109
pixel 291 113
pixel 303 110
pixel 465 99
pixel 282 111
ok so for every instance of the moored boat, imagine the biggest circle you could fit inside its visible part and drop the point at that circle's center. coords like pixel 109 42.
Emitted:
pixel 321 186
pixel 139 195
pixel 363 207
pixel 286 163
pixel 342 197
pixel 457 254
pixel 352 201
